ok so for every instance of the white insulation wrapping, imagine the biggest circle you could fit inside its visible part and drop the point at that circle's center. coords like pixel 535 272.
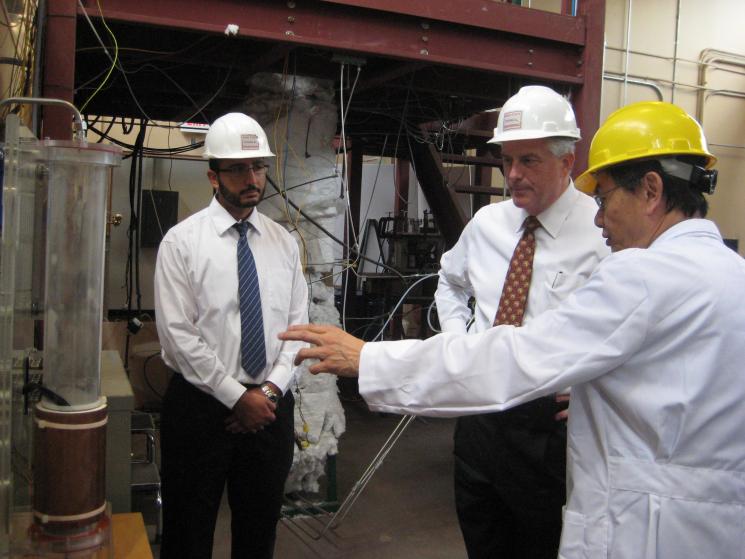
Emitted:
pixel 299 117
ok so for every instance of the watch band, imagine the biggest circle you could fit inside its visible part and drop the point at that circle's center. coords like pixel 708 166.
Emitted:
pixel 270 394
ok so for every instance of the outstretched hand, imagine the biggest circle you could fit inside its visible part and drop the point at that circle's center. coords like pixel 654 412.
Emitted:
pixel 337 352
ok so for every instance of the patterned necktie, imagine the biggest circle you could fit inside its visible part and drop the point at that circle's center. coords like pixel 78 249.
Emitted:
pixel 253 351
pixel 515 291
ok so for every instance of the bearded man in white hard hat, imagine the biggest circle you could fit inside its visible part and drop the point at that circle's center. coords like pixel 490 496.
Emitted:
pixel 227 280
pixel 510 466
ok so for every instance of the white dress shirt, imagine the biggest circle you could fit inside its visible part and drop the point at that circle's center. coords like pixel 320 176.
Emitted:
pixel 196 300
pixel 568 247
pixel 654 347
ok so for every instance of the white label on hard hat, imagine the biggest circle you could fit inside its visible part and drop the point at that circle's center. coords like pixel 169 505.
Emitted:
pixel 513 120
pixel 249 142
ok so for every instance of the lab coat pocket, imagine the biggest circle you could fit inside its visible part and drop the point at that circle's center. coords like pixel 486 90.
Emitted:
pixel 558 284
pixel 666 511
pixel 649 526
pixel 573 544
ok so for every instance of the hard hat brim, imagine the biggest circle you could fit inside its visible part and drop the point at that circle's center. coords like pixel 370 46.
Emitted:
pixel 586 181
pixel 517 135
pixel 239 155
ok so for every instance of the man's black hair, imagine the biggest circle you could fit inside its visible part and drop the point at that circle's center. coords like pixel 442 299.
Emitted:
pixel 679 193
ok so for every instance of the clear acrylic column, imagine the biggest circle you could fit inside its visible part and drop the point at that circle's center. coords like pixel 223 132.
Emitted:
pixel 76 229
pixel 70 422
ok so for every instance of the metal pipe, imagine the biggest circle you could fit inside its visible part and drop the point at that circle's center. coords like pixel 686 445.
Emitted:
pixel 650 80
pixel 729 58
pixel 675 48
pixel 628 50
pixel 626 79
pixel 78 133
pixel 735 146
pixel 662 57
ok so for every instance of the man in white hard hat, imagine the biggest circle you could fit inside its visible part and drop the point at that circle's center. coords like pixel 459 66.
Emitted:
pixel 510 466
pixel 652 346
pixel 227 280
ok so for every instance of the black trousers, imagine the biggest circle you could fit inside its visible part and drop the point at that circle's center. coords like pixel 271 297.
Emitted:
pixel 199 457
pixel 510 470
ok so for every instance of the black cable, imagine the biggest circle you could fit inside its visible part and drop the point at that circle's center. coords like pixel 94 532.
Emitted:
pixel 133 226
pixel 328 233
pixel 147 151
pixel 145 377
pixel 138 292
pixel 303 184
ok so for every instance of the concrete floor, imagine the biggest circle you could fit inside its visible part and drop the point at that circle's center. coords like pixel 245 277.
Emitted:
pixel 405 511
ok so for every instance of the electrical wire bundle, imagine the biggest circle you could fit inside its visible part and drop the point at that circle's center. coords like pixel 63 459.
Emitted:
pixel 23 33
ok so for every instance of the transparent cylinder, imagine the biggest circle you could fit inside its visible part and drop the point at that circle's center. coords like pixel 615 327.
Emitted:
pixel 76 228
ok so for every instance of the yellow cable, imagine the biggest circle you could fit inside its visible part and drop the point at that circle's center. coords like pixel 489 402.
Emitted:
pixel 113 63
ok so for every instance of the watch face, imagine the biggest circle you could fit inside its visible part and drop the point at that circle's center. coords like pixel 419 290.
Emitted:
pixel 271 396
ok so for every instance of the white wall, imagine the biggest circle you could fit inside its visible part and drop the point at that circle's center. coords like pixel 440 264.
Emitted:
pixel 189 178
pixel 702 25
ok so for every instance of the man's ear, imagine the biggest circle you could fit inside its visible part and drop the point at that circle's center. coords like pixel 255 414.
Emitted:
pixel 212 176
pixel 653 190
pixel 567 162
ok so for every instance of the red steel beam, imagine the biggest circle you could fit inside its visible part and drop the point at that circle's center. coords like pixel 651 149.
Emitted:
pixel 586 98
pixel 59 67
pixel 496 16
pixel 376 32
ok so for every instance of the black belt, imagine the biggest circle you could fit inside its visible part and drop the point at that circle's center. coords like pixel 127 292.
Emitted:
pixel 537 414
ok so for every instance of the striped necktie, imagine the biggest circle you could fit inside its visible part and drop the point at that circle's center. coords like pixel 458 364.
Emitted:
pixel 514 297
pixel 253 350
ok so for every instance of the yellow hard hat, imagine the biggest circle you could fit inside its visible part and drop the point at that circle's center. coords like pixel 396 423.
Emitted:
pixel 641 131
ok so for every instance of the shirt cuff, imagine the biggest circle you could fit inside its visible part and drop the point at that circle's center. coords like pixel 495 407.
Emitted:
pixel 229 392
pixel 281 376
pixel 455 325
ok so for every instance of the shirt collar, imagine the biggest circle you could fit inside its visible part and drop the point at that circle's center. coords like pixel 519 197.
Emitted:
pixel 688 226
pixel 223 221
pixel 553 217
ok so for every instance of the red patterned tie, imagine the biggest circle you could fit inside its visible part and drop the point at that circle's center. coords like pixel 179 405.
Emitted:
pixel 515 291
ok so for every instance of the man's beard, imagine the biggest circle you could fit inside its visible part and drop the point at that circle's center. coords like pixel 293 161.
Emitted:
pixel 235 199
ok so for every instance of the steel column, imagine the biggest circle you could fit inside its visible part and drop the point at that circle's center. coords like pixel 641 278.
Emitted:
pixel 586 98
pixel 59 67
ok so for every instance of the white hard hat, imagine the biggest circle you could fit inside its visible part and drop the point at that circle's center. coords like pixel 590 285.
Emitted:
pixel 236 136
pixel 535 112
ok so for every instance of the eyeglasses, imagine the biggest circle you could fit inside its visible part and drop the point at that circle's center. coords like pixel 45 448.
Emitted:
pixel 602 199
pixel 241 170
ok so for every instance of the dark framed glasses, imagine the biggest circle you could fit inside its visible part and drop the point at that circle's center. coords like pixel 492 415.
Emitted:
pixel 243 170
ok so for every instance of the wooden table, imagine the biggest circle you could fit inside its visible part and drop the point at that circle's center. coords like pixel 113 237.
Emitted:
pixel 128 534
pixel 130 537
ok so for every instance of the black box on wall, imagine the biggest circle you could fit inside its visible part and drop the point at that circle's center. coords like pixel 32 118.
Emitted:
pixel 158 213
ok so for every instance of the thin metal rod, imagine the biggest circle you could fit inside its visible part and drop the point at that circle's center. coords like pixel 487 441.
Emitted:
pixel 367 475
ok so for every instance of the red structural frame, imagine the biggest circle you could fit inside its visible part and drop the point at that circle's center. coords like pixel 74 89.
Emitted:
pixel 480 34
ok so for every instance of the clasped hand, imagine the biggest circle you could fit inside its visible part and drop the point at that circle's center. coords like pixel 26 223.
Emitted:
pixel 251 413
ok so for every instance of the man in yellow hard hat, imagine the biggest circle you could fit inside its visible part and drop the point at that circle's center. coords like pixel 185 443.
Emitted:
pixel 652 345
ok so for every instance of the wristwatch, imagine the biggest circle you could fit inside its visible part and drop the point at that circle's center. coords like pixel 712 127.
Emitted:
pixel 270 394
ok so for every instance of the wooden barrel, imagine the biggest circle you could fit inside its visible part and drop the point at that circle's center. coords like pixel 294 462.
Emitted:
pixel 69 468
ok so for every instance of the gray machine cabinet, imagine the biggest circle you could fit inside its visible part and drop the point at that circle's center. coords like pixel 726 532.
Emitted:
pixel 115 386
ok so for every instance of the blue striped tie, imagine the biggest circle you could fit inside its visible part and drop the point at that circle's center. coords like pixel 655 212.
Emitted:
pixel 253 351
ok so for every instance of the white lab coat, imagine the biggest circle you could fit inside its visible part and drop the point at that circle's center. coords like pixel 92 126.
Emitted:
pixel 654 348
